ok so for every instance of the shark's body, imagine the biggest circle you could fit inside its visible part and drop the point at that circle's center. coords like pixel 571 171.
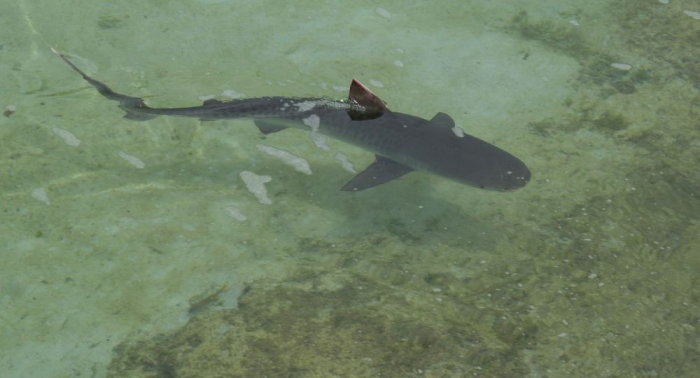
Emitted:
pixel 401 142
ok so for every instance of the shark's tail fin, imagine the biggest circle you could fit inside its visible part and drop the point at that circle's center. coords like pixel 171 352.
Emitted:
pixel 134 107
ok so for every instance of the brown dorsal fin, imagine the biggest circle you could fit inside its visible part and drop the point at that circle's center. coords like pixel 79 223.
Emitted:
pixel 365 97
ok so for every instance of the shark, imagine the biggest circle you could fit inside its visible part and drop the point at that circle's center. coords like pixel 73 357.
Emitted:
pixel 401 143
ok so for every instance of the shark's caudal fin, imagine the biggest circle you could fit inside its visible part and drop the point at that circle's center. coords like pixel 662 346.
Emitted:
pixel 133 106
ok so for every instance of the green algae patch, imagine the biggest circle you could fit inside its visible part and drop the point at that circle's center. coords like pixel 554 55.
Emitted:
pixel 359 329
pixel 609 121
pixel 274 333
pixel 559 36
pixel 107 21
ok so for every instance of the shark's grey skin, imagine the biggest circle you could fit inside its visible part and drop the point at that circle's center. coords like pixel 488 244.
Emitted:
pixel 401 142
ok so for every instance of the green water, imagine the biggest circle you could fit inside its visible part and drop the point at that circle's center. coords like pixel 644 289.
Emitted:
pixel 115 267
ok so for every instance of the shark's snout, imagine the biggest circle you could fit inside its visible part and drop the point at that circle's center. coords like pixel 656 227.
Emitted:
pixel 506 179
pixel 517 181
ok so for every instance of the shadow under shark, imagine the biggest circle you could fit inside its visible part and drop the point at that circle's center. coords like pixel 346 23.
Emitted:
pixel 402 143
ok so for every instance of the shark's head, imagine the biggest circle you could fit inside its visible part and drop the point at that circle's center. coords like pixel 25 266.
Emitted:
pixel 507 175
pixel 470 160
pixel 476 163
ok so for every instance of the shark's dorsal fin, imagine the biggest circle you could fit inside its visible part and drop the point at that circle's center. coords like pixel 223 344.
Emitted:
pixel 443 120
pixel 365 97
pixel 381 171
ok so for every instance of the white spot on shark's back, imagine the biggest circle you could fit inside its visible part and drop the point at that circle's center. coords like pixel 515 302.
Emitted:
pixel 298 163
pixel 305 106
pixel 256 185
pixel 458 131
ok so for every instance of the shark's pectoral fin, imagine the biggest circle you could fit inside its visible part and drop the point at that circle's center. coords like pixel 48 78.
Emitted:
pixel 381 171
pixel 267 127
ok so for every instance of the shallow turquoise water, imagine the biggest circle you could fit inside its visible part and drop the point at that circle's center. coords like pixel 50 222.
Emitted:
pixel 121 267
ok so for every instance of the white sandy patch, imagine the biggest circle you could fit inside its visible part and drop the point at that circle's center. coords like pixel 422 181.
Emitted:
pixel 313 121
pixel 67 137
pixel 230 93
pixel 298 163
pixel 256 186
pixel 621 66
pixel 319 141
pixel 693 14
pixel 133 160
pixel 382 12
pixel 234 213
pixel 347 165
pixel 40 194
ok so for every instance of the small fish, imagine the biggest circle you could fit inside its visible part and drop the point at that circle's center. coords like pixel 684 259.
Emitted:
pixel 402 143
